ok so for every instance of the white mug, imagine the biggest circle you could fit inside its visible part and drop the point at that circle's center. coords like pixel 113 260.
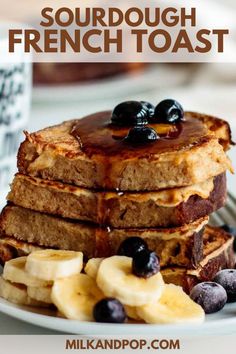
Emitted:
pixel 15 98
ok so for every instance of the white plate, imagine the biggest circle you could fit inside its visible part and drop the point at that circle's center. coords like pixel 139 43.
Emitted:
pixel 223 322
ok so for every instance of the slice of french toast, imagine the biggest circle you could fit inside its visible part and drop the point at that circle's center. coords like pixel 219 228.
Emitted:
pixel 93 153
pixel 218 254
pixel 182 246
pixel 11 248
pixel 165 208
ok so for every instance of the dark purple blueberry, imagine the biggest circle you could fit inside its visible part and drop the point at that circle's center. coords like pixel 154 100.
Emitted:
pixel 169 112
pixel 211 296
pixel 150 108
pixel 145 264
pixel 231 230
pixel 142 135
pixel 109 310
pixel 130 113
pixel 227 279
pixel 131 246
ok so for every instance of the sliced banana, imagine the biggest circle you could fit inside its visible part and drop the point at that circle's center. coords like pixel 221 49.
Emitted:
pixel 17 293
pixel 40 294
pixel 14 271
pixel 115 279
pixel 132 313
pixel 54 264
pixel 174 306
pixel 76 296
pixel 92 266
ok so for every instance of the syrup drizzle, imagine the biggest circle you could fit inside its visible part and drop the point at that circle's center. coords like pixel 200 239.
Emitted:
pixel 97 136
pixel 105 143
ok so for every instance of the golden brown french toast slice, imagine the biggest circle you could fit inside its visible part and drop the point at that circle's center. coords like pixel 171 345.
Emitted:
pixel 218 254
pixel 11 248
pixel 92 153
pixel 165 208
pixel 175 246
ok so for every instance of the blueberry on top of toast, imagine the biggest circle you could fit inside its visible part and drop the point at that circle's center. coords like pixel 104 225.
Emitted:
pixel 130 113
pixel 168 111
pixel 141 135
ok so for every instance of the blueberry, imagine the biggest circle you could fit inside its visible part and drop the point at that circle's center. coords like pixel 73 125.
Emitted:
pixel 131 246
pixel 145 264
pixel 142 135
pixel 211 296
pixel 109 310
pixel 168 111
pixel 231 230
pixel 227 279
pixel 150 108
pixel 130 113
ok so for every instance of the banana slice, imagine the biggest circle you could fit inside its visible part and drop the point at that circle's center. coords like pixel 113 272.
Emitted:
pixel 76 296
pixel 132 313
pixel 40 294
pixel 54 264
pixel 14 271
pixel 17 293
pixel 92 266
pixel 174 306
pixel 115 279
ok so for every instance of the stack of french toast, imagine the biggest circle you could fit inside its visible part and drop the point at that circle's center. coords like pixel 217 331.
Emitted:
pixel 156 173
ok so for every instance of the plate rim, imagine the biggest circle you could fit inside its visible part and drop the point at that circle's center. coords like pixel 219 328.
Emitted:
pixel 213 327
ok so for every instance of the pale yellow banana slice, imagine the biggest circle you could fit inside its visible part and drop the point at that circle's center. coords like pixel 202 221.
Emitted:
pixel 115 279
pixel 54 264
pixel 174 306
pixel 14 271
pixel 17 293
pixel 40 294
pixel 76 296
pixel 92 266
